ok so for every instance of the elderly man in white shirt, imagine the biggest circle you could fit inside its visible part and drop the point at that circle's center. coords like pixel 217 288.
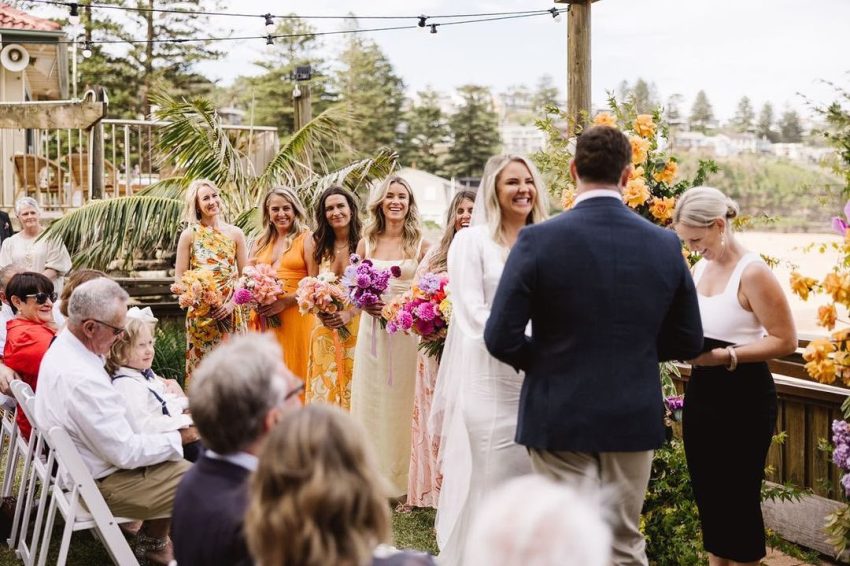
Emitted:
pixel 137 473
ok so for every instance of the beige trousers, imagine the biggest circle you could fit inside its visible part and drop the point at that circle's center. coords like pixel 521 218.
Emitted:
pixel 624 476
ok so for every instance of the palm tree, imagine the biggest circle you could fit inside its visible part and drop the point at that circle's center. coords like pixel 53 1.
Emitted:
pixel 195 142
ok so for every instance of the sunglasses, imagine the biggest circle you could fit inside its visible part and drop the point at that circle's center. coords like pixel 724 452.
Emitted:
pixel 115 329
pixel 41 298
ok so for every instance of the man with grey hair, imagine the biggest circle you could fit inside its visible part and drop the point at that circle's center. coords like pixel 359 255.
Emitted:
pixel 137 473
pixel 237 395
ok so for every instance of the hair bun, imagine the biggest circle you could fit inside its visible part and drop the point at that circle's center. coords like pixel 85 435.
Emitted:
pixel 732 208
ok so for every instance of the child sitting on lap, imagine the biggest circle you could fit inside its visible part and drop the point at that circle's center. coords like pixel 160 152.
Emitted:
pixel 153 403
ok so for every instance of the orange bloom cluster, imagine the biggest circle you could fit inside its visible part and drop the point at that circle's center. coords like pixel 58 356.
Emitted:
pixel 640 149
pixel 644 126
pixel 636 192
pixel 668 174
pixel 662 208
pixel 605 119
pixel 802 285
pixel 197 290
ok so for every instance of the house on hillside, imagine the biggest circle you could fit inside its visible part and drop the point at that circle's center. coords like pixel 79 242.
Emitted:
pixel 433 194
pixel 33 67
pixel 522 140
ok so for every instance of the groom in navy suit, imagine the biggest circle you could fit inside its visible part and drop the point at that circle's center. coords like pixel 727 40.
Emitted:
pixel 609 296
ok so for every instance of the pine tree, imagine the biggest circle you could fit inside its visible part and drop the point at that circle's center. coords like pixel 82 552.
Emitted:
pixel 426 132
pixel 790 129
pixel 643 95
pixel 744 115
pixel 764 126
pixel 545 93
pixel 673 110
pixel 702 113
pixel 373 92
pixel 475 132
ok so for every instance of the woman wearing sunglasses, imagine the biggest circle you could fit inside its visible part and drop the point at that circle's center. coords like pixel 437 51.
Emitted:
pixel 31 332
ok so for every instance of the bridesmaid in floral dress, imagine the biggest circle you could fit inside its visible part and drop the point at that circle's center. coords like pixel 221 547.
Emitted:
pixel 209 243
pixel 331 360
pixel 287 245
pixel 423 480
pixel 384 365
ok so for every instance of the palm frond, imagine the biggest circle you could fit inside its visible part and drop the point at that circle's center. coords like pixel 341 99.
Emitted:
pixel 291 163
pixel 112 229
pixel 249 221
pixel 194 140
pixel 171 187
pixel 355 176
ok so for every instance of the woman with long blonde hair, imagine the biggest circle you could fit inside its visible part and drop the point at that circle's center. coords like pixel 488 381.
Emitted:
pixel 286 244
pixel 209 243
pixel 385 365
pixel 476 399
pixel 316 498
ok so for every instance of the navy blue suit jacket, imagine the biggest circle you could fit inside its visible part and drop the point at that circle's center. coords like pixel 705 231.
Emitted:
pixel 609 296
pixel 209 511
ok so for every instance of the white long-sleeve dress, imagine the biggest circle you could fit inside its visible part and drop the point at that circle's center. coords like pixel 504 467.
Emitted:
pixel 477 397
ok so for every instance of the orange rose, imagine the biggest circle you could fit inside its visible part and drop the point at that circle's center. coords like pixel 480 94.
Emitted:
pixel 822 371
pixel 637 173
pixel 668 174
pixel 662 208
pixel 568 198
pixel 838 287
pixel 605 119
pixel 827 316
pixel 636 193
pixel 644 126
pixel 818 350
pixel 640 148
pixel 801 285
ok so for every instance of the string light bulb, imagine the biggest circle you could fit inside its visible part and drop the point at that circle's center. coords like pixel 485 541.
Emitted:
pixel 269 43
pixel 422 20
pixel 556 13
pixel 433 27
pixel 74 16
pixel 296 92
pixel 87 52
pixel 270 27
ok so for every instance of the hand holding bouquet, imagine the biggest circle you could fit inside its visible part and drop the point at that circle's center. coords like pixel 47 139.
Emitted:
pixel 366 284
pixel 198 292
pixel 259 286
pixel 322 296
pixel 425 310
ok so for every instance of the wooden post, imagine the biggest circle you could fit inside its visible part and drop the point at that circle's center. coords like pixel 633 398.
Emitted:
pixel 578 59
pixel 96 150
pixel 303 113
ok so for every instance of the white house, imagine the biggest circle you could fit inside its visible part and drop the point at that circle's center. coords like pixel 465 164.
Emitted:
pixel 433 194
pixel 522 140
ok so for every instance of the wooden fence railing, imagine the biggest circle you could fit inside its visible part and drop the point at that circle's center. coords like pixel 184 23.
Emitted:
pixel 153 293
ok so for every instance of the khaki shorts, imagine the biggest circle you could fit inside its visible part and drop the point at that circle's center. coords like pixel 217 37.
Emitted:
pixel 143 493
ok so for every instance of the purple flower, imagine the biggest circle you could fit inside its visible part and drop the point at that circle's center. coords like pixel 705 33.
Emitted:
pixel 367 299
pixel 675 402
pixel 426 311
pixel 242 297
pixel 840 432
pixel 430 283
pixel 396 271
pixel 392 327
pixel 367 262
pixel 354 259
pixel 845 483
pixel 404 320
pixel 363 281
pixel 424 328
pixel 840 455
pixel 840 224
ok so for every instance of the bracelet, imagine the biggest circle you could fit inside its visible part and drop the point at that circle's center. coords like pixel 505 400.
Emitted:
pixel 733 358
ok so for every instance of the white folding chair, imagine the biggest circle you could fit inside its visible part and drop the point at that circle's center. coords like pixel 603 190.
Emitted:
pixel 8 429
pixel 40 479
pixel 24 450
pixel 81 491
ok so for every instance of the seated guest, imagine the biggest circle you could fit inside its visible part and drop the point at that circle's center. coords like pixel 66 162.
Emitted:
pixel 534 521
pixel 317 497
pixel 6 315
pixel 137 472
pixel 151 404
pixel 31 332
pixel 237 394
pixel 75 279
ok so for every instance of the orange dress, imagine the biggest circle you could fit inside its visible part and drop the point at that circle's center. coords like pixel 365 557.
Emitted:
pixel 293 333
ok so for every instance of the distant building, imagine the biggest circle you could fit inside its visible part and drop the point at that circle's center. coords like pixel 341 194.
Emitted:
pixel 522 140
pixel 433 194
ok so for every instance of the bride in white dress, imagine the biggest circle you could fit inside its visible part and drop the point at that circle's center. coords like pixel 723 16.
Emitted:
pixel 476 399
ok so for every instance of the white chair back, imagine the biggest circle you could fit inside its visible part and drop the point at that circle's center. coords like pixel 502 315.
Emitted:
pixel 24 450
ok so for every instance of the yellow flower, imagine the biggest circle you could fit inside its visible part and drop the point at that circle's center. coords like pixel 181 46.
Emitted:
pixel 662 208
pixel 838 287
pixel 637 172
pixel 818 350
pixel 605 119
pixel 644 126
pixel 446 308
pixel 823 371
pixel 668 174
pixel 640 148
pixel 827 316
pixel 568 198
pixel 636 193
pixel 840 337
pixel 801 285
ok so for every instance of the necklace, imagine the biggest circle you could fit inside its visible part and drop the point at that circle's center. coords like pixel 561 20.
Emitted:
pixel 338 249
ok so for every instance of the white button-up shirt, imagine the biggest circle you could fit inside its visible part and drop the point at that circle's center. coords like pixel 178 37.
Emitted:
pixel 76 393
pixel 6 315
pixel 144 410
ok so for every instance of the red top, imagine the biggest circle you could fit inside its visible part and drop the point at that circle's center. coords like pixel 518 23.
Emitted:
pixel 26 344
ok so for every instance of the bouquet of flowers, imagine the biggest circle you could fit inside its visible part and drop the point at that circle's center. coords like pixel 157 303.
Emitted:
pixel 424 310
pixel 257 287
pixel 675 404
pixel 198 290
pixel 322 295
pixel 365 283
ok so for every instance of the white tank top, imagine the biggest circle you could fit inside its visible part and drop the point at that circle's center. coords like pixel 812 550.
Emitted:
pixel 723 317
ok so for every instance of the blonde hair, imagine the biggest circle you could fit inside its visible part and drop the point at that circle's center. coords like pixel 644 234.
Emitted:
pixel 299 224
pixel 119 354
pixel 191 212
pixel 316 497
pixel 700 207
pixel 488 197
pixel 377 222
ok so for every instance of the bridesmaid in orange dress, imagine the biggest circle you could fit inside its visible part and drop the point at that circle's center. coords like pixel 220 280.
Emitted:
pixel 423 478
pixel 287 245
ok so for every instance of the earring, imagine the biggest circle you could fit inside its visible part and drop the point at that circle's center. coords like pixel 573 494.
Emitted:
pixel 723 240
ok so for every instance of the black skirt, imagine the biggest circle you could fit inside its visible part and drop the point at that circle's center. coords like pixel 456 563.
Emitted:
pixel 728 422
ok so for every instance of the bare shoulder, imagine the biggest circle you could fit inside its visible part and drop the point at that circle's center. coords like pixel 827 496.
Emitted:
pixel 233 232
pixel 185 236
pixel 758 277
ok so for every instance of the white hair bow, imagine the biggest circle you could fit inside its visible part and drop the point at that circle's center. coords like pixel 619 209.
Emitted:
pixel 145 314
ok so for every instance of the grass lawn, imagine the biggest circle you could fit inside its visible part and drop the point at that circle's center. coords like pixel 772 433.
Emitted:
pixel 411 530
